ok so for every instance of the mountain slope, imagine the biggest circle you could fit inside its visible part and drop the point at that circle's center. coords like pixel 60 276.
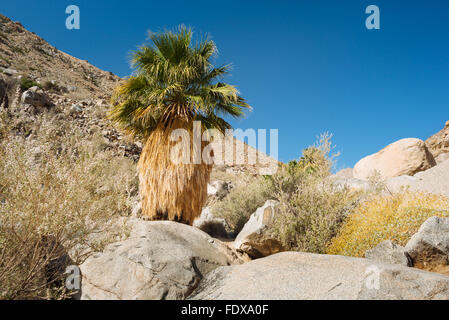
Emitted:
pixel 82 94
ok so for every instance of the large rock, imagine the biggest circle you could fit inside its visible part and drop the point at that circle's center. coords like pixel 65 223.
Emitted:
pixel 351 183
pixel 389 252
pixel 345 173
pixel 295 275
pixel 429 247
pixel 36 98
pixel 254 239
pixel 439 142
pixel 403 157
pixel 213 226
pixel 10 71
pixel 434 180
pixel 443 157
pixel 160 260
pixel 218 189
pixel 401 183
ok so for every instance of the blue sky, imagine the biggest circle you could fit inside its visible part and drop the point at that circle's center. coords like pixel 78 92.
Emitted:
pixel 306 67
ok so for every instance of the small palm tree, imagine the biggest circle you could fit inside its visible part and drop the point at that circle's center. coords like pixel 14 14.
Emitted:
pixel 174 84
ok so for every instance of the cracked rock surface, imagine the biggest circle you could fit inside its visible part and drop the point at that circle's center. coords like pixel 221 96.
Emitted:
pixel 295 275
pixel 160 260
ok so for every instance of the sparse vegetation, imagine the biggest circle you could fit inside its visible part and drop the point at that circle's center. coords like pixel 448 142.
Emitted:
pixel 5 60
pixel 17 50
pixel 311 208
pixel 26 83
pixel 393 217
pixel 241 202
pixel 59 194
pixel 53 87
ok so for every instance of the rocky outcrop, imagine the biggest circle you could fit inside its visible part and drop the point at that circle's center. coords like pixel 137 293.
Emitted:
pixel 351 183
pixel 403 157
pixel 218 189
pixel 160 260
pixel 213 226
pixel 443 157
pixel 254 239
pixel 36 99
pixel 429 247
pixel 345 173
pixel 389 252
pixel 434 180
pixel 439 143
pixel 401 183
pixel 295 275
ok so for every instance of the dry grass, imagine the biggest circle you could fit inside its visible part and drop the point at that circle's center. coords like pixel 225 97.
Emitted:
pixel 236 208
pixel 311 208
pixel 59 194
pixel 171 191
pixel 311 211
pixel 394 217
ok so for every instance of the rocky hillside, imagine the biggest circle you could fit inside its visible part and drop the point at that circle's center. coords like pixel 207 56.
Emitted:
pixel 24 53
pixel 81 92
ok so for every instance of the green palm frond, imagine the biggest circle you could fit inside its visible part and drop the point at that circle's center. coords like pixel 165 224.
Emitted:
pixel 175 78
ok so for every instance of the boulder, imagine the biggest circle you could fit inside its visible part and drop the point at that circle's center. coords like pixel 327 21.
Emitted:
pixel 345 173
pixel 403 157
pixel 434 180
pixel 36 98
pixel 213 226
pixel 75 109
pixel 439 142
pixel 159 260
pixel 443 157
pixel 397 184
pixel 218 189
pixel 10 71
pixel 305 276
pixel 389 252
pixel 429 247
pixel 254 239
pixel 351 183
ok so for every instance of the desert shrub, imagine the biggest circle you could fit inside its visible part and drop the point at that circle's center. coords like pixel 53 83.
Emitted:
pixel 312 209
pixel 26 83
pixel 394 217
pixel 52 87
pixel 59 193
pixel 241 202
pixel 17 50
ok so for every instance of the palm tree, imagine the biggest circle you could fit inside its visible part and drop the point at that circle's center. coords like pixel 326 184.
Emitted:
pixel 174 84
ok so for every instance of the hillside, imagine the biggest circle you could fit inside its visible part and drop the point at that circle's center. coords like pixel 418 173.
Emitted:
pixel 30 55
pixel 82 91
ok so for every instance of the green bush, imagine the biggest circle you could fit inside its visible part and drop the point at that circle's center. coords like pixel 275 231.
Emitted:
pixel 26 83
pixel 312 209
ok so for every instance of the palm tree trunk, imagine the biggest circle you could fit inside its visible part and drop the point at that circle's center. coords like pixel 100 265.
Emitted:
pixel 171 191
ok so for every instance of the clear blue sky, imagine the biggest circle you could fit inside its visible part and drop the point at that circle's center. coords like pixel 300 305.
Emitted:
pixel 305 66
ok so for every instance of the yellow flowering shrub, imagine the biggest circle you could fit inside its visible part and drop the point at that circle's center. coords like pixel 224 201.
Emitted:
pixel 396 217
